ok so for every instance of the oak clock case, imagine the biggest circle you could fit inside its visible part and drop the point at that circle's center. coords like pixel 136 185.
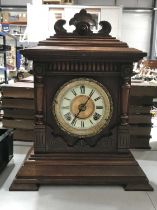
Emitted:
pixel 81 87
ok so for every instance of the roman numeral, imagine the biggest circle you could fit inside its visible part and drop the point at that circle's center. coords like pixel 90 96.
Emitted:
pixel 96 116
pixel 99 107
pixel 96 99
pixel 74 121
pixel 91 122
pixel 68 99
pixel 65 107
pixel 91 93
pixel 68 116
pixel 82 124
pixel 82 89
pixel 74 92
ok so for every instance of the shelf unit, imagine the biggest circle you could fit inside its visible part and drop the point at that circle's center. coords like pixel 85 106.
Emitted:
pixel 8 57
pixel 14 20
pixel 3 52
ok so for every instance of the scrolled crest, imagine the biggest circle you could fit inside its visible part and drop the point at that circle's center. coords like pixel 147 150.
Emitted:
pixel 83 23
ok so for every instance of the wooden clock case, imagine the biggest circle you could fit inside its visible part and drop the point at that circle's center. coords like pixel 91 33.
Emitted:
pixel 60 158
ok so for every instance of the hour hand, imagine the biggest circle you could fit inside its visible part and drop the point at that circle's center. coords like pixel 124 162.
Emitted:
pixel 73 122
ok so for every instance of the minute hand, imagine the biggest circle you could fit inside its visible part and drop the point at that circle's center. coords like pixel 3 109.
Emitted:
pixel 83 105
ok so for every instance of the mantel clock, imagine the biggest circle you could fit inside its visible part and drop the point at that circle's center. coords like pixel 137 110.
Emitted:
pixel 82 83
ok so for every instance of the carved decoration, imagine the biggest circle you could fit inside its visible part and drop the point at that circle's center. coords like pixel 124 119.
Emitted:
pixel 84 141
pixel 82 16
pixel 83 22
pixel 126 71
pixel 106 28
pixel 125 88
pixel 59 29
pixel 82 28
pixel 39 69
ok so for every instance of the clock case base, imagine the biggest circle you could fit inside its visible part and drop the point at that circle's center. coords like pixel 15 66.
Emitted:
pixel 79 169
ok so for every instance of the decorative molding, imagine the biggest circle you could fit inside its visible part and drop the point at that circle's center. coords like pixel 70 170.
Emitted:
pixel 39 99
pixel 108 140
pixel 123 138
pixel 39 142
pixel 126 73
pixel 91 66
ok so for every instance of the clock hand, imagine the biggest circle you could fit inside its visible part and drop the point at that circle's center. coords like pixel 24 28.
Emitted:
pixel 86 101
pixel 76 115
pixel 83 105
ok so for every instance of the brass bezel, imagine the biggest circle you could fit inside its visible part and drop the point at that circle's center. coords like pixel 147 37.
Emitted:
pixel 82 133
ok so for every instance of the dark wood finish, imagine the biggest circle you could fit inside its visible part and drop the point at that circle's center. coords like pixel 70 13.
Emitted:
pixel 18 109
pixel 141 103
pixel 61 158
pixel 17 103
pixel 134 109
pixel 18 90
pixel 140 119
pixel 140 141
pixel 97 169
pixel 18 123
pixel 19 114
pixel 144 90
pixel 23 135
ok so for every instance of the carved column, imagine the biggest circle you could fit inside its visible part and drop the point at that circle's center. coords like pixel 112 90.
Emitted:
pixel 123 130
pixel 39 143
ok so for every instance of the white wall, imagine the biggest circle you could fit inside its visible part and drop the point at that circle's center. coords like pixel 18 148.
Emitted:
pixel 136 29
pixel 114 16
pixel 37 22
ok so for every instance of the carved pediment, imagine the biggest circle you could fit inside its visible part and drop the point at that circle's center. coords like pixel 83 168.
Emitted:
pixel 83 23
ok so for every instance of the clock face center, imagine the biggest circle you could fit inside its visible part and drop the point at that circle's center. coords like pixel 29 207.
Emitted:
pixel 82 106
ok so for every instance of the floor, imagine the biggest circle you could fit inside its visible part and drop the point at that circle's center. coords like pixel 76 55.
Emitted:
pixel 80 197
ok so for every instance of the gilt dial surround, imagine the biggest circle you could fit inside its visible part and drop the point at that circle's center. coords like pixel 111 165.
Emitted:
pixel 82 107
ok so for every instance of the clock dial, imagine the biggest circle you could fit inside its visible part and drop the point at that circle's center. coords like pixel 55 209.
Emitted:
pixel 82 107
